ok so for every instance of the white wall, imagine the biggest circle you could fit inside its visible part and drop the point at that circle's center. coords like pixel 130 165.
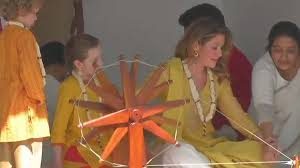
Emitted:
pixel 251 21
pixel 147 27
pixel 150 28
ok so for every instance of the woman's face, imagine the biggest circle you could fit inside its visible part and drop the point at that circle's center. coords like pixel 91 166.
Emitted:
pixel 285 53
pixel 211 51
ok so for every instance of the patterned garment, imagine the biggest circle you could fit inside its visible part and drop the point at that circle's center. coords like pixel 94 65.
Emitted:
pixel 22 100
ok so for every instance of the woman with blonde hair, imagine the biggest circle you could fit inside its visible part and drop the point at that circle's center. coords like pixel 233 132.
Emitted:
pixel 199 73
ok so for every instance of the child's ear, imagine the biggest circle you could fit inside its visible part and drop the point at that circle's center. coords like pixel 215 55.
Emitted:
pixel 78 65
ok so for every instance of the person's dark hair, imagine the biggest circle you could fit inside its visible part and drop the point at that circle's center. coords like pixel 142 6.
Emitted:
pixel 78 46
pixel 201 11
pixel 283 28
pixel 53 53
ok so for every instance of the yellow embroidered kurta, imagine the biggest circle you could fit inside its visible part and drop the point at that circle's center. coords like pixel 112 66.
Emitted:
pixel 65 126
pixel 217 149
pixel 23 112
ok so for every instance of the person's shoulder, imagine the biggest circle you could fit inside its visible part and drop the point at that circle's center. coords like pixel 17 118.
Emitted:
pixel 20 33
pixel 174 62
pixel 264 63
pixel 69 83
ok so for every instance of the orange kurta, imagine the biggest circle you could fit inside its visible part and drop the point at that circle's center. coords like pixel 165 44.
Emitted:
pixel 23 112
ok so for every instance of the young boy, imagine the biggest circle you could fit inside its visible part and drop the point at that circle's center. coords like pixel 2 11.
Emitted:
pixel 23 114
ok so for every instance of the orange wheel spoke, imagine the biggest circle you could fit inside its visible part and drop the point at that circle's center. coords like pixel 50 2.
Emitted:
pixel 152 127
pixel 134 72
pixel 150 83
pixel 128 92
pixel 101 107
pixel 108 97
pixel 150 111
pixel 107 84
pixel 137 156
pixel 114 141
pixel 119 117
pixel 155 92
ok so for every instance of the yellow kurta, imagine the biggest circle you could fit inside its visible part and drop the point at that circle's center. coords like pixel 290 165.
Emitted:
pixel 217 149
pixel 23 112
pixel 65 126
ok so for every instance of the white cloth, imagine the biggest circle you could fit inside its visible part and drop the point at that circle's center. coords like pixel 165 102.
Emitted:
pixel 265 81
pixel 184 156
pixel 3 22
pixel 52 87
pixel 277 100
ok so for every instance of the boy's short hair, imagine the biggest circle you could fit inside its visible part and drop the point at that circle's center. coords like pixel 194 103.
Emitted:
pixel 201 11
pixel 53 53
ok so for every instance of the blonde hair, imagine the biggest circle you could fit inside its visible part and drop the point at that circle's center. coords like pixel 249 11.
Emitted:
pixel 203 30
pixel 10 9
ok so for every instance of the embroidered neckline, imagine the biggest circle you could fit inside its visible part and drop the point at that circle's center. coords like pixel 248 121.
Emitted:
pixel 196 96
pixel 16 23
pixel 83 90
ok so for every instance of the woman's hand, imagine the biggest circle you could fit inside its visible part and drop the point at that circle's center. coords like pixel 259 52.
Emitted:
pixel 270 153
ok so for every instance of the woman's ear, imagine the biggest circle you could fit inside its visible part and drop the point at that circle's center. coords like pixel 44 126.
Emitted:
pixel 78 65
pixel 196 46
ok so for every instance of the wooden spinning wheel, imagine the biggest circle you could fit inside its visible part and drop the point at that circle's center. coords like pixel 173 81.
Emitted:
pixel 132 114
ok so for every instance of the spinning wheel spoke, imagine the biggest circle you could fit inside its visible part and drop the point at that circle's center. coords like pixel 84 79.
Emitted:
pixel 149 85
pixel 137 153
pixel 155 92
pixel 134 72
pixel 128 91
pixel 119 117
pixel 106 83
pixel 156 130
pixel 150 111
pixel 112 100
pixel 115 139
pixel 101 107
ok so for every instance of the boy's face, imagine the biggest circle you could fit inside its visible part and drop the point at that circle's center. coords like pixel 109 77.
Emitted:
pixel 91 63
pixel 29 18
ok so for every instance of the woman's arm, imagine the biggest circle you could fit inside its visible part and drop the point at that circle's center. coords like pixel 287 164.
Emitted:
pixel 233 111
pixel 263 98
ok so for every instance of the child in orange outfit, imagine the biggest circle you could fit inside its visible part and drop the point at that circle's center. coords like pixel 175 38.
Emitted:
pixel 23 114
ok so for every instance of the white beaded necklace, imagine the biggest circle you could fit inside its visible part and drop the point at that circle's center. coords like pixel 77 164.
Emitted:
pixel 196 96
pixel 83 89
pixel 38 52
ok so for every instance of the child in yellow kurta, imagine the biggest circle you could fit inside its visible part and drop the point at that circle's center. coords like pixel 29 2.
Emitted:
pixel 84 56
pixel 23 115
pixel 198 74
